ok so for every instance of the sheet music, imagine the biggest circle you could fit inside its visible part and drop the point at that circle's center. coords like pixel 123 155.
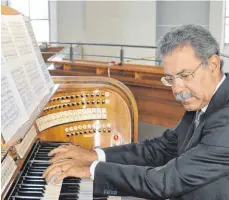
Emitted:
pixel 13 112
pixel 26 51
pixel 15 66
pixel 43 66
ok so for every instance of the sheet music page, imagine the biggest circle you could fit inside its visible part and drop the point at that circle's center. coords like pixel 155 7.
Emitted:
pixel 41 61
pixel 13 112
pixel 15 66
pixel 25 49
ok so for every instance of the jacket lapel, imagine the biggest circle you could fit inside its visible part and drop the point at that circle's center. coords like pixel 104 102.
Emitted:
pixel 189 119
pixel 218 101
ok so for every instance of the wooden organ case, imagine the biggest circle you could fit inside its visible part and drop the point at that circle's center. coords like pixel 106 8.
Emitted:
pixel 93 112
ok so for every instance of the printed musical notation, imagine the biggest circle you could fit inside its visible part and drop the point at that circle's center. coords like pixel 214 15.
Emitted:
pixel 25 80
pixel 26 50
pixel 13 112
pixel 8 49
pixel 15 66
pixel 22 86
pixel 44 68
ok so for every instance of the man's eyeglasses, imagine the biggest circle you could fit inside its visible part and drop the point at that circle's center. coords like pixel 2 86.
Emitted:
pixel 185 76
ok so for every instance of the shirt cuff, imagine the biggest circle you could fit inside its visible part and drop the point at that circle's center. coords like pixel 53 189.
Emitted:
pixel 101 154
pixel 92 169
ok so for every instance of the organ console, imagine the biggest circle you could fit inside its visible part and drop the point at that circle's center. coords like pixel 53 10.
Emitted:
pixel 93 112
pixel 70 117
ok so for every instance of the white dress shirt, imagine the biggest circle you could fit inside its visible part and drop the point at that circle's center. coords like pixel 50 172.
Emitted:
pixel 101 153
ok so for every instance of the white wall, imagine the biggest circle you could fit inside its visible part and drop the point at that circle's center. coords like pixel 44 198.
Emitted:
pixel 53 20
pixel 70 21
pixel 226 60
pixel 130 22
pixel 175 13
pixel 216 26
pixel 113 22
pixel 217 21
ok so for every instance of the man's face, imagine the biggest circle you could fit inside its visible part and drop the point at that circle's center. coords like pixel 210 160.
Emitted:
pixel 195 93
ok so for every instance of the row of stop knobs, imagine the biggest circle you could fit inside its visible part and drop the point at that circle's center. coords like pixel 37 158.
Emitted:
pixel 80 95
pixel 89 132
pixel 75 104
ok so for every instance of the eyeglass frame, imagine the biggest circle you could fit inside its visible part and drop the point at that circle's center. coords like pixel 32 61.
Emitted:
pixel 165 82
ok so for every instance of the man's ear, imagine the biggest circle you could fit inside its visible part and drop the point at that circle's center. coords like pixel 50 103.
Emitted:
pixel 214 64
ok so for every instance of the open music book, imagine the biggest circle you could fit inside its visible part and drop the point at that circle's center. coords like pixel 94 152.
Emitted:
pixel 25 80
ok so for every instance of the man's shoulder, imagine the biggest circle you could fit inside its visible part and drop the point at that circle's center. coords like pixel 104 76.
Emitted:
pixel 216 128
pixel 219 115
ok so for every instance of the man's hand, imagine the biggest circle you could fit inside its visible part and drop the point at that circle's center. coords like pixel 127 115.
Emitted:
pixel 60 170
pixel 84 157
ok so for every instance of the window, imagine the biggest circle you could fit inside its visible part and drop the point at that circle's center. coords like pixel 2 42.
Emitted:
pixel 227 23
pixel 38 12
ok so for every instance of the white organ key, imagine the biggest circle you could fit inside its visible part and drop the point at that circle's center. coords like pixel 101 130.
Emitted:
pixel 86 189
pixel 114 198
pixel 52 191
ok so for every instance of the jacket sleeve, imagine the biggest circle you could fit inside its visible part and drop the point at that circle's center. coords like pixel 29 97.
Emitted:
pixel 153 152
pixel 203 164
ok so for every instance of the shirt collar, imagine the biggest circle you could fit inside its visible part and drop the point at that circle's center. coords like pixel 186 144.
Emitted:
pixel 217 87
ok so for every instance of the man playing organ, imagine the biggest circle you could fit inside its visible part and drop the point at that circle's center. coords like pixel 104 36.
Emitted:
pixel 189 161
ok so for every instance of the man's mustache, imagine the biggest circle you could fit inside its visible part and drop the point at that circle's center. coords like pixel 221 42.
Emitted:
pixel 182 96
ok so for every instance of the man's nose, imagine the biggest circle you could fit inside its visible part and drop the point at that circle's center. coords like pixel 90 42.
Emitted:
pixel 178 85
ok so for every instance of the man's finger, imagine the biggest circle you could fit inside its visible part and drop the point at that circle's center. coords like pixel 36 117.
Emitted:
pixel 50 168
pixel 66 166
pixel 60 177
pixel 60 156
pixel 57 150
pixel 64 155
pixel 54 173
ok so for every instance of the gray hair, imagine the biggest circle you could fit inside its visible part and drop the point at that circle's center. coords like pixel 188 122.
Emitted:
pixel 196 36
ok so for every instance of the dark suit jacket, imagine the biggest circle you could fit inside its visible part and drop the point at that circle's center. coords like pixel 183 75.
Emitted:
pixel 195 166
